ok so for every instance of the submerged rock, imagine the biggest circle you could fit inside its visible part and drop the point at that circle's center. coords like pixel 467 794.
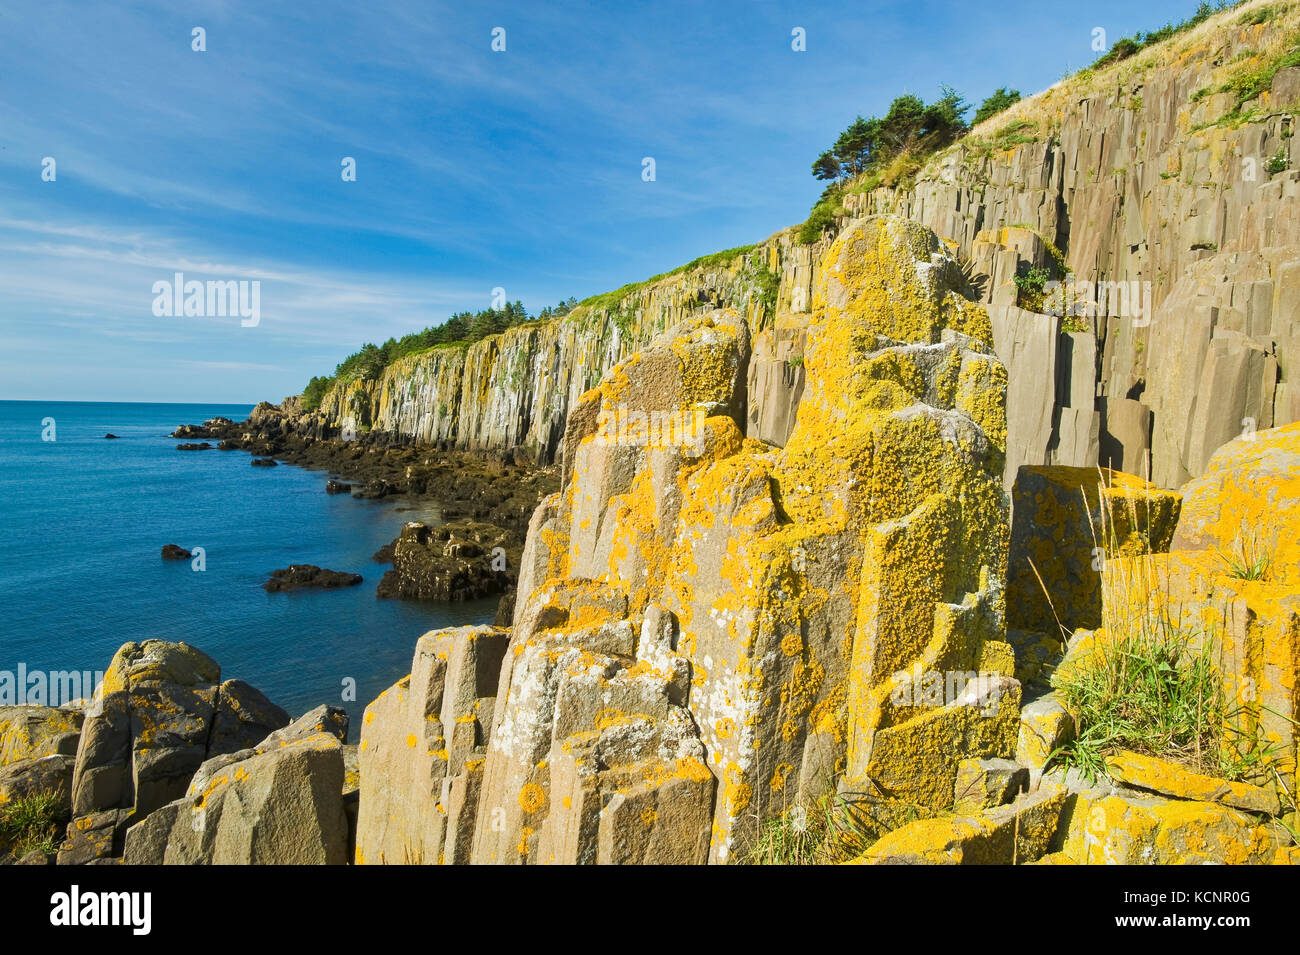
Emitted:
pixel 175 552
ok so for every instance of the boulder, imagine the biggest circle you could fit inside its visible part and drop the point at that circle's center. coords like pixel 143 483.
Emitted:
pixel 278 806
pixel 31 732
pixel 1045 725
pixel 162 713
pixel 1018 833
pixel 985 783
pixel 1167 778
pixel 464 560
pixel 1119 828
pixel 32 777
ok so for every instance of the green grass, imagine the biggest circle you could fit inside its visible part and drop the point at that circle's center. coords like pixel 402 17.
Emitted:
pixel 1251 83
pixel 841 828
pixel 1029 288
pixel 32 824
pixel 1256 17
pixel 1152 683
pixel 1015 134
pixel 611 301
pixel 1248 558
pixel 1148 692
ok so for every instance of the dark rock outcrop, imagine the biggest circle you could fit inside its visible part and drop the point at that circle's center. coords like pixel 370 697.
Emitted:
pixel 175 552
pixel 297 576
pixel 461 561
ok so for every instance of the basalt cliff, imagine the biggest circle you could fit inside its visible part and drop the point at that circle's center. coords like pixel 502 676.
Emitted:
pixel 865 550
pixel 1146 183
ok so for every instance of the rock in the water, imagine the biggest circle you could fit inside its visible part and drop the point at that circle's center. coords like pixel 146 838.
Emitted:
pixel 297 576
pixel 175 552
pixel 337 487
pixel 264 462
pixel 461 561
pixel 198 446
pixel 373 490
pixel 110 436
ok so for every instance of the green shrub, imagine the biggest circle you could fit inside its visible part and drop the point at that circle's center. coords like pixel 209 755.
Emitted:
pixel 1030 286
pixel 821 219
pixel 1000 100
pixel 315 392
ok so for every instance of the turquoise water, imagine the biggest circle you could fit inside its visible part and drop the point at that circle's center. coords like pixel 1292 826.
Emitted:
pixel 84 520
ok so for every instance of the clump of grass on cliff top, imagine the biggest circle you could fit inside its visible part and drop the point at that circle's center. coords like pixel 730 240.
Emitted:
pixel 31 823
pixel 1125 47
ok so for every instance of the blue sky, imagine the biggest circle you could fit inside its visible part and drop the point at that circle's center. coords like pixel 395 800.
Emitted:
pixel 475 169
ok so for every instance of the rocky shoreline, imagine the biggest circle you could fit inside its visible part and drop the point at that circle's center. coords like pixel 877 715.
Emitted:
pixel 484 498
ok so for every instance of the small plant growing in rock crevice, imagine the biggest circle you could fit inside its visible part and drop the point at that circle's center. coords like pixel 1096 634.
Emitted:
pixel 840 828
pixel 1030 286
pixel 1248 558
pixel 32 824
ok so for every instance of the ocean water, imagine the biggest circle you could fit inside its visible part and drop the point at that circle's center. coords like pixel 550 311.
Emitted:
pixel 84 519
